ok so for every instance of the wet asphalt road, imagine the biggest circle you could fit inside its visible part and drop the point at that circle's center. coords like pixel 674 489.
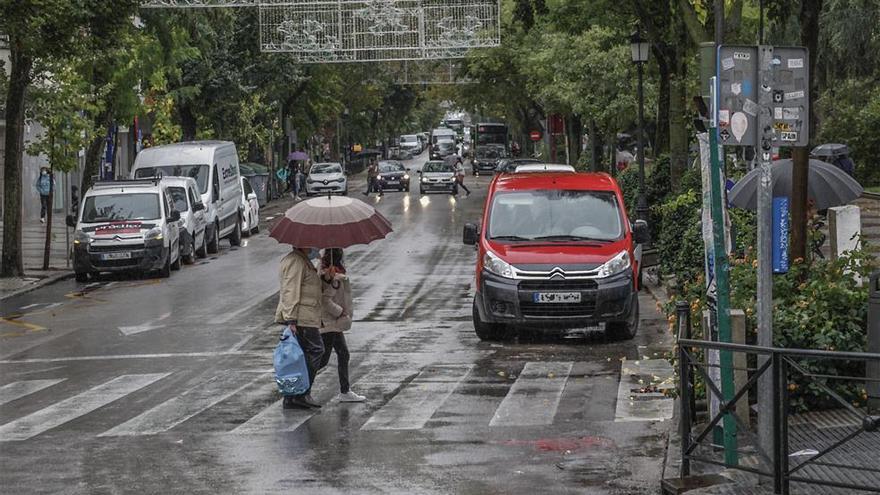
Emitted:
pixel 165 386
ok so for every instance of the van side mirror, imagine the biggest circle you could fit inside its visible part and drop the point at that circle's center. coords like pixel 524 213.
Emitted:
pixel 471 234
pixel 252 195
pixel 198 206
pixel 174 216
pixel 70 221
pixel 641 234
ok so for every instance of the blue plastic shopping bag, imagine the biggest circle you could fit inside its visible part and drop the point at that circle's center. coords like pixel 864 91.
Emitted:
pixel 291 372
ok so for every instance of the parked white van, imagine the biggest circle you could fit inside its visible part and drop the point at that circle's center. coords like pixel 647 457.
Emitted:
pixel 214 166
pixel 126 226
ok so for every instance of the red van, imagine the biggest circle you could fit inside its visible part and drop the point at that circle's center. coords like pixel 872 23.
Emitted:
pixel 556 251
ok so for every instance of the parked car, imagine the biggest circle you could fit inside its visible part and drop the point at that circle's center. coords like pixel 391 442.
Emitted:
pixel 250 215
pixel 542 167
pixel 556 251
pixel 214 166
pixel 188 202
pixel 326 178
pixel 486 158
pixel 126 226
pixel 509 166
pixel 437 176
pixel 393 175
pixel 411 143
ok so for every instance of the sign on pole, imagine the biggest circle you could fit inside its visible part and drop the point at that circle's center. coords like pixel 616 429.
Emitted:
pixel 535 135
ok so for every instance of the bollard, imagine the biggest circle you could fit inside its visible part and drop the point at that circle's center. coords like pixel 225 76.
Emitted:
pixel 740 375
pixel 872 367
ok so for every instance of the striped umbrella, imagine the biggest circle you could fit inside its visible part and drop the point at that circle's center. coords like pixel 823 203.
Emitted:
pixel 330 221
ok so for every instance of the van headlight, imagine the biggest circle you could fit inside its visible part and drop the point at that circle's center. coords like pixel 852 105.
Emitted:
pixel 405 176
pixel 80 237
pixel 498 266
pixel 154 234
pixel 615 265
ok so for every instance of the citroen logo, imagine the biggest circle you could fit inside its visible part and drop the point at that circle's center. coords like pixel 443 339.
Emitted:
pixel 557 272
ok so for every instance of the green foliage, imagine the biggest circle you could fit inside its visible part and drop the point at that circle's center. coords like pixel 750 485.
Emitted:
pixel 680 240
pixel 851 115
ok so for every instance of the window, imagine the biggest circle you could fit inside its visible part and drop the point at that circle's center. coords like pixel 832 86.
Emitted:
pixel 194 198
pixel 555 215
pixel 326 168
pixel 178 198
pixel 215 185
pixel 247 187
pixel 197 172
pixel 437 167
pixel 391 167
pixel 124 206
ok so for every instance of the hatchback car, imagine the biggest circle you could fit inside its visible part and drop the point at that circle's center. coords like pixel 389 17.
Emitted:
pixel 250 214
pixel 326 178
pixel 393 175
pixel 438 177
pixel 509 166
pixel 556 251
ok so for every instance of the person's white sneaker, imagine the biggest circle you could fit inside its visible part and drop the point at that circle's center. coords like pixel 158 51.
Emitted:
pixel 42 220
pixel 351 397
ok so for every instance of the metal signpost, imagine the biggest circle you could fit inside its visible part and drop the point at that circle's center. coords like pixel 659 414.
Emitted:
pixel 763 101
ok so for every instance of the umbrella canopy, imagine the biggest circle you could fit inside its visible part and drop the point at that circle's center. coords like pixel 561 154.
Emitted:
pixel 330 221
pixel 297 155
pixel 828 185
pixel 829 150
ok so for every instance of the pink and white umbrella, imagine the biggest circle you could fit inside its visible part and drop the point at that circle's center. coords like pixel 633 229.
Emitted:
pixel 330 221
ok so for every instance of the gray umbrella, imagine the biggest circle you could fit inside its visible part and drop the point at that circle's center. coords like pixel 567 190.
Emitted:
pixel 828 185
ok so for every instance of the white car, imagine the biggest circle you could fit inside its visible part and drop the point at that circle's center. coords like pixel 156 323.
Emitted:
pixel 193 222
pixel 542 167
pixel 250 215
pixel 326 178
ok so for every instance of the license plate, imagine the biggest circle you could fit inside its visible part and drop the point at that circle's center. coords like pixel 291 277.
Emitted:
pixel 556 297
pixel 116 256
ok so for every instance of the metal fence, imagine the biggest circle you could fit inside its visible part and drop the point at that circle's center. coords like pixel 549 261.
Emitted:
pixel 825 438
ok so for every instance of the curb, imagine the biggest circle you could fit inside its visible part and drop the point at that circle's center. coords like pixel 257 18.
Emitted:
pixel 870 195
pixel 43 282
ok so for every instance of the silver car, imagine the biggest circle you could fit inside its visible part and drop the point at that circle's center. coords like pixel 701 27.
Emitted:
pixel 437 176
pixel 326 178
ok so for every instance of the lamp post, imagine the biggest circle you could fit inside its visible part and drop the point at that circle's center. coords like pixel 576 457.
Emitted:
pixel 639 48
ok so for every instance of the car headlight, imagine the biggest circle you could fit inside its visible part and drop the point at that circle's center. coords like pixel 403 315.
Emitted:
pixel 424 179
pixel 340 180
pixel 406 177
pixel 80 237
pixel 154 234
pixel 496 265
pixel 615 265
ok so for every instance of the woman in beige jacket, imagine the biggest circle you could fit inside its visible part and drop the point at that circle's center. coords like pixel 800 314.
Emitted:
pixel 336 318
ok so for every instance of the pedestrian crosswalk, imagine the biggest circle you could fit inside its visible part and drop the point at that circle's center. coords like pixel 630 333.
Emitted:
pixel 401 396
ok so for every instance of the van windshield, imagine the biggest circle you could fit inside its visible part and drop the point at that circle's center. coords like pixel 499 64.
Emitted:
pixel 126 206
pixel 555 215
pixel 197 172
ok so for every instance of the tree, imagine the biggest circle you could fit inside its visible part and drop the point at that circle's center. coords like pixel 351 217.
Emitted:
pixel 59 98
pixel 38 30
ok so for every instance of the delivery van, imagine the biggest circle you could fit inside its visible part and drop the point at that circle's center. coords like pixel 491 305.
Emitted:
pixel 214 166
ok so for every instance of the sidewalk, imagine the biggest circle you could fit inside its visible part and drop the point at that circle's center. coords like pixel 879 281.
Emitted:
pixel 33 244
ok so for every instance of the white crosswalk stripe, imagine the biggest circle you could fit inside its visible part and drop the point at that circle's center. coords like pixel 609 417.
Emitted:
pixel 175 411
pixel 534 396
pixel 69 409
pixel 17 390
pixel 416 403
pixel 640 394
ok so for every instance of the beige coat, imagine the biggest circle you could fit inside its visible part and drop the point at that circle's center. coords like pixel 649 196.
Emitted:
pixel 299 299
pixel 336 303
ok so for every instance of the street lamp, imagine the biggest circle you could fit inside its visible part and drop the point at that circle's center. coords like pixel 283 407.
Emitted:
pixel 640 48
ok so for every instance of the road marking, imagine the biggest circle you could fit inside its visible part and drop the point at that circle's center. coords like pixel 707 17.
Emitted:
pixel 419 400
pixel 17 390
pixel 29 327
pixel 175 411
pixel 133 356
pixel 145 327
pixel 534 396
pixel 640 394
pixel 69 409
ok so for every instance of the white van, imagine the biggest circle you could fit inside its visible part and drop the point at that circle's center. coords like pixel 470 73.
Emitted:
pixel 214 166
pixel 126 226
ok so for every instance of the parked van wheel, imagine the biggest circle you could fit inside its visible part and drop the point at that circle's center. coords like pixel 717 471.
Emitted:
pixel 486 331
pixel 256 229
pixel 165 271
pixel 214 243
pixel 626 330
pixel 202 251
pixel 190 257
pixel 235 237
pixel 82 277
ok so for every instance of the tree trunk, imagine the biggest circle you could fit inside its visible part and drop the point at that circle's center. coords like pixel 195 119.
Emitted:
pixel 11 264
pixel 678 134
pixel 188 122
pixel 661 138
pixel 595 148
pixel 92 164
pixel 575 129
pixel 47 249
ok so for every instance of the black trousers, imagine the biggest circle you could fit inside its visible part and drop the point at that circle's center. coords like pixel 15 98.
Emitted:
pixel 309 339
pixel 44 205
pixel 461 185
pixel 335 341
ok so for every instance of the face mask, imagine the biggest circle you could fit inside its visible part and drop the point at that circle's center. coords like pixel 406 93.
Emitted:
pixel 314 254
pixel 44 173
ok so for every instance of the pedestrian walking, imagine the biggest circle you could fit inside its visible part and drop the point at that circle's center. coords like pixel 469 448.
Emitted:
pixel 336 318
pixel 299 307
pixel 298 188
pixel 459 178
pixel 44 186
pixel 373 184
